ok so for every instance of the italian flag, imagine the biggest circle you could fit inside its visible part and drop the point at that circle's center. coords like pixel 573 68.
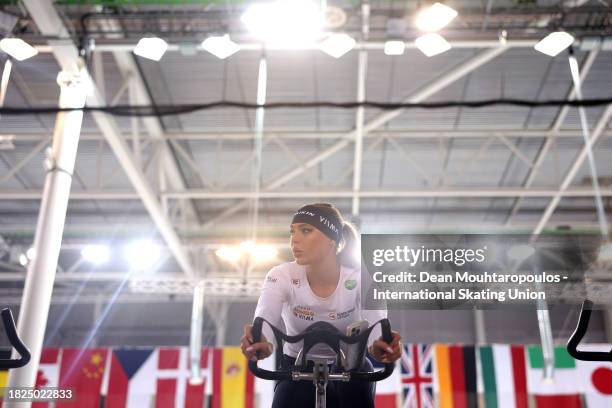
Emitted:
pixel 564 390
pixel 504 376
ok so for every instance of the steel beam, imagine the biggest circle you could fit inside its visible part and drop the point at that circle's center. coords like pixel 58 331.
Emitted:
pixel 553 133
pixel 507 192
pixel 361 45
pixel 425 92
pixel 296 134
pixel 575 166
pixel 128 68
pixel 50 24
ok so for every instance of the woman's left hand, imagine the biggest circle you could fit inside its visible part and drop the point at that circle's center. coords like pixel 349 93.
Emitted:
pixel 387 352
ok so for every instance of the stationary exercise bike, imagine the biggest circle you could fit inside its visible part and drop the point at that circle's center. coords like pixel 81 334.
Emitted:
pixel 321 333
pixel 11 333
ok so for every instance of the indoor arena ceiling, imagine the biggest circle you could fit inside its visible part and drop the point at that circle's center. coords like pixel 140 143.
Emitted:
pixel 489 169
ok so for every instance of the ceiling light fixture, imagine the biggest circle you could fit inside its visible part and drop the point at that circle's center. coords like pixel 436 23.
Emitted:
pixel 337 45
pixel 17 48
pixel 432 44
pixel 394 47
pixel 554 43
pixel 435 17
pixel 291 23
pixel 220 46
pixel 152 48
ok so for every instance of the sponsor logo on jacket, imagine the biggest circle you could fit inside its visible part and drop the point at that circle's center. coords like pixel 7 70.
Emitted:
pixel 303 312
pixel 341 315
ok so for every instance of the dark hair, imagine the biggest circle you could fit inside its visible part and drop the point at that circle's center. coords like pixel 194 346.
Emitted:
pixel 347 247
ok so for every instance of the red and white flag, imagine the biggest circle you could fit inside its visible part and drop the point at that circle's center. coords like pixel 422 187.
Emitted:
pixel 48 372
pixel 596 378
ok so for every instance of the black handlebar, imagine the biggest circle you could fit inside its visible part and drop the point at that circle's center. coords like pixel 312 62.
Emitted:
pixel 578 335
pixel 11 332
pixel 319 332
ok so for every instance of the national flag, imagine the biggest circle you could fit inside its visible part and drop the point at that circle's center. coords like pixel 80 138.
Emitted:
pixel 563 390
pixel 48 372
pixel 504 376
pixel 416 367
pixel 455 385
pixel 172 377
pixel 82 370
pixel 196 394
pixel 233 383
pixel 4 355
pixel 596 378
pixel 387 390
pixel 264 389
pixel 131 377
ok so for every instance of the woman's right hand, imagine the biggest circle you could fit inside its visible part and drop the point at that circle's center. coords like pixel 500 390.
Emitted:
pixel 254 351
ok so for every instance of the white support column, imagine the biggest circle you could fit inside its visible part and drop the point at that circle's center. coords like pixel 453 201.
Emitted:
pixel 262 86
pixel 40 277
pixel 162 185
pixel 479 327
pixel 607 315
pixel 220 316
pixel 6 75
pixel 97 315
pixel 362 69
pixel 546 340
pixel 195 339
pixel 98 71
pixel 134 122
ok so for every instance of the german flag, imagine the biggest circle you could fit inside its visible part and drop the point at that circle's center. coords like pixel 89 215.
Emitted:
pixel 456 376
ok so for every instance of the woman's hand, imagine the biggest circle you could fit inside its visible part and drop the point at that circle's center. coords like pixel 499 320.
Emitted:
pixel 254 351
pixel 387 352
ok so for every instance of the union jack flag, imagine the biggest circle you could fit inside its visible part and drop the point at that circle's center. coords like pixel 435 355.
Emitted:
pixel 417 376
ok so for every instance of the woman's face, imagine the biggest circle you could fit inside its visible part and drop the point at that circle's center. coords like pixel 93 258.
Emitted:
pixel 309 244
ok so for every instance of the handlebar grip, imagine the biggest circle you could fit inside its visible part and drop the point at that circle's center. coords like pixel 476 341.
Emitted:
pixel 257 328
pixel 373 376
pixel 385 327
pixel 267 374
pixel 260 372
pixel 387 337
pixel 578 335
pixel 11 332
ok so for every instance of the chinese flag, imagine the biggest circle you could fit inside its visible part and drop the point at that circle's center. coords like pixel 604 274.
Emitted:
pixel 83 371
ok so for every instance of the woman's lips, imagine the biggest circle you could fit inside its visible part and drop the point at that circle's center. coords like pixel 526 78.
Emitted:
pixel 297 253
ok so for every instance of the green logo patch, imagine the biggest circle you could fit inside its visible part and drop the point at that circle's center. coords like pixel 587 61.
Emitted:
pixel 350 284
